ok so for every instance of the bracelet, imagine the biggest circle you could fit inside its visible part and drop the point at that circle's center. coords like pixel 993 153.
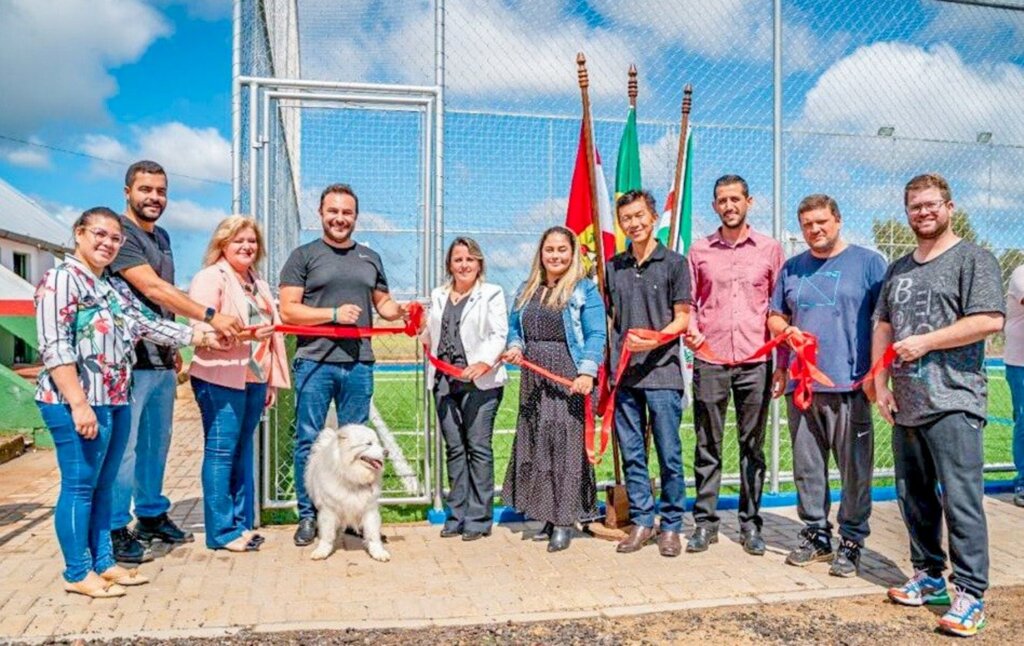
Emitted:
pixel 334 315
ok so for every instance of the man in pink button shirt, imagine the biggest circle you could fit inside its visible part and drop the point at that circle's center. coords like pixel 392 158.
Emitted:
pixel 733 274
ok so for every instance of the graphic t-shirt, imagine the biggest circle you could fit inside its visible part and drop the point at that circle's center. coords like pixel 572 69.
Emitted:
pixel 918 298
pixel 833 299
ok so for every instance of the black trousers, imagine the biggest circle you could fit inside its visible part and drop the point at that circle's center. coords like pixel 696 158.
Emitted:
pixel 749 384
pixel 948 452
pixel 466 416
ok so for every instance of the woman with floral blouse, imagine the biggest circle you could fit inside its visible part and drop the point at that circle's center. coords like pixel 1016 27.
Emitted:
pixel 88 322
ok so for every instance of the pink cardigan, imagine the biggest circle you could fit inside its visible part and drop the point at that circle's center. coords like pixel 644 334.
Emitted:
pixel 217 286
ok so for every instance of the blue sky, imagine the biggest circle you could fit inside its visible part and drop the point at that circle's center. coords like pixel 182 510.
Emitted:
pixel 112 81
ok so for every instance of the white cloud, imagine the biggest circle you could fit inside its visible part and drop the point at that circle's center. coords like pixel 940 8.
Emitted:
pixel 189 215
pixel 30 155
pixel 924 93
pixel 727 30
pixel 193 157
pixel 492 49
pixel 658 163
pixel 995 33
pixel 54 57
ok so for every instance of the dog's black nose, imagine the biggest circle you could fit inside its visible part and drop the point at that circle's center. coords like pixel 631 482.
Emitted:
pixel 386 453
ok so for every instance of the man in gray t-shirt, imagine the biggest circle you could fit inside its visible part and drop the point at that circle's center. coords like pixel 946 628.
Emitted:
pixel 332 280
pixel 938 304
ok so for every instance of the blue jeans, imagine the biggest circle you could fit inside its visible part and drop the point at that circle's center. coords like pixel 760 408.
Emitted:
pixel 141 475
pixel 349 385
pixel 230 417
pixel 665 407
pixel 87 472
pixel 1015 377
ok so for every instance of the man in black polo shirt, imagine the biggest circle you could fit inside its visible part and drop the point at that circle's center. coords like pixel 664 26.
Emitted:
pixel 648 287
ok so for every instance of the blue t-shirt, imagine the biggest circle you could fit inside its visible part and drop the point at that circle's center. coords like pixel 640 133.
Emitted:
pixel 833 299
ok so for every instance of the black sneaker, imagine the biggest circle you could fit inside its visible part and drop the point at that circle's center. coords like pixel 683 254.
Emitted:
pixel 847 560
pixel 163 529
pixel 127 549
pixel 815 546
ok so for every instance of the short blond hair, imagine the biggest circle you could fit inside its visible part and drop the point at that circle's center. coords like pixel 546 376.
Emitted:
pixel 226 231
pixel 926 181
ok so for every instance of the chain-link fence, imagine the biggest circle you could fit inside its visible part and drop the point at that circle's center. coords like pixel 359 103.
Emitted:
pixel 872 93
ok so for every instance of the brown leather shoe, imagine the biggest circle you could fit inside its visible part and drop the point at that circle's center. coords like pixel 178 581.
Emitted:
pixel 638 537
pixel 669 544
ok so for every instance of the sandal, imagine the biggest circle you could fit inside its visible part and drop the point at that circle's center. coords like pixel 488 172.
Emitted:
pixel 124 576
pixel 252 545
pixel 95 587
pixel 253 537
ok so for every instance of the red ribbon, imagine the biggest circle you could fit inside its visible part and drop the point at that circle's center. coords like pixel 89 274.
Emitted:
pixel 884 363
pixel 416 314
pixel 804 370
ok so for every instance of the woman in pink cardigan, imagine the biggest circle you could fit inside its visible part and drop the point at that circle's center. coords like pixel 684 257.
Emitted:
pixel 233 386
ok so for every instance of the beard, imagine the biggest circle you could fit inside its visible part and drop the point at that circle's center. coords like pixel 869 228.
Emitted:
pixel 137 210
pixel 336 237
pixel 940 228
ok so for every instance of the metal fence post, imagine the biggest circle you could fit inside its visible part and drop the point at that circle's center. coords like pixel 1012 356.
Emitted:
pixel 776 195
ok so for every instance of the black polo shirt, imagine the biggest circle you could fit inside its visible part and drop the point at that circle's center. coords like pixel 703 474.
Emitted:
pixel 644 296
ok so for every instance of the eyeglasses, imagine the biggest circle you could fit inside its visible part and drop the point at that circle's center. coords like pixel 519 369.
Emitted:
pixel 925 207
pixel 101 235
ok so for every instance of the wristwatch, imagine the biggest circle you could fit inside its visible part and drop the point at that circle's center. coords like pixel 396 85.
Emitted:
pixel 209 314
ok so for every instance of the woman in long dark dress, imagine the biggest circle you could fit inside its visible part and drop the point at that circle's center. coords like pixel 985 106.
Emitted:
pixel 557 322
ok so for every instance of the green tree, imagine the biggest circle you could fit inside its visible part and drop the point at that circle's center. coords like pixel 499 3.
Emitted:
pixel 895 239
pixel 1009 260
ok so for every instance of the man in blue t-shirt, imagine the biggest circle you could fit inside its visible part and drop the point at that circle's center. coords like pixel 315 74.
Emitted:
pixel 830 291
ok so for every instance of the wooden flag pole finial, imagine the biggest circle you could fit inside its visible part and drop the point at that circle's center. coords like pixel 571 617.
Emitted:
pixel 581 71
pixel 633 87
pixel 687 98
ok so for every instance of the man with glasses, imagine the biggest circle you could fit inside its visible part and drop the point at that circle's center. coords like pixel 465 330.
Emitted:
pixel 147 265
pixel 938 304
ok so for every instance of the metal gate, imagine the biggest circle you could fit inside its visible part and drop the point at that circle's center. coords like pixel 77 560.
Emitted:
pixel 299 137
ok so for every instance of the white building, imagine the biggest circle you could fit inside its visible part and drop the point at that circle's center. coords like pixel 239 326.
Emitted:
pixel 31 241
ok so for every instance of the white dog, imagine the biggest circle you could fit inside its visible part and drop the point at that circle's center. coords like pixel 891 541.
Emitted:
pixel 343 480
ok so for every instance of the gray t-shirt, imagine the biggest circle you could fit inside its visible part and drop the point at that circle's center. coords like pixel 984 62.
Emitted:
pixel 921 297
pixel 330 277
pixel 153 249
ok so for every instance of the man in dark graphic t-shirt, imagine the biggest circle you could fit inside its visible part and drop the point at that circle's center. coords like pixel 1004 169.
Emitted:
pixel 938 304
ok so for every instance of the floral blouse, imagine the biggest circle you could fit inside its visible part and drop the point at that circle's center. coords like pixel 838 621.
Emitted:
pixel 93 323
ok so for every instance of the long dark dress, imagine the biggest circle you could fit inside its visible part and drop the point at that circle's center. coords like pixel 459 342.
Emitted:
pixel 548 477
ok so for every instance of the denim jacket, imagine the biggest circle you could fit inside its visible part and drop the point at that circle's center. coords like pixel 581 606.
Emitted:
pixel 585 327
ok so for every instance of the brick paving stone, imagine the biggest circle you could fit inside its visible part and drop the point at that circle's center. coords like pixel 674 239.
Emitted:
pixel 428 580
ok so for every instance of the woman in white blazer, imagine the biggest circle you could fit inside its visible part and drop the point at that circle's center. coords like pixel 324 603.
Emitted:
pixel 466 326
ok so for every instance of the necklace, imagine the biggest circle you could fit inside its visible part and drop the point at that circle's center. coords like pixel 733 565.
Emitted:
pixel 455 296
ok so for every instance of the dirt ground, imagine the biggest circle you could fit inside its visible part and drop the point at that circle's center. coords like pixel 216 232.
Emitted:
pixel 850 620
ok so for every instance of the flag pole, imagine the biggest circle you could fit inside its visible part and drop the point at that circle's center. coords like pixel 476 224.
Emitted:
pixel 673 231
pixel 595 212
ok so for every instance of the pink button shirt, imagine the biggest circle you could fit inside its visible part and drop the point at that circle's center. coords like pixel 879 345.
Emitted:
pixel 732 288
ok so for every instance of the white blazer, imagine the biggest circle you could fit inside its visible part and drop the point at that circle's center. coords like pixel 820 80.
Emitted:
pixel 483 329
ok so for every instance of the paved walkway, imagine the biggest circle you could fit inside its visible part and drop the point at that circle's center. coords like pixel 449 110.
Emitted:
pixel 196 591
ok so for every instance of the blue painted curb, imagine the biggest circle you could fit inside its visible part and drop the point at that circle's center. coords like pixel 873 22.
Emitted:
pixel 503 514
